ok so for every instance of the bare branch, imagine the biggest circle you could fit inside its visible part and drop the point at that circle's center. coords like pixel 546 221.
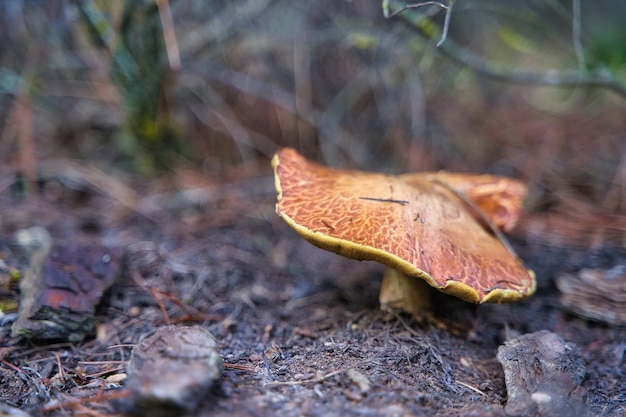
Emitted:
pixel 448 9
pixel 553 77
pixel 409 6
pixel 446 24
pixel 576 34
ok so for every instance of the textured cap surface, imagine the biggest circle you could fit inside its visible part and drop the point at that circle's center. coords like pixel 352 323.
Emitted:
pixel 415 223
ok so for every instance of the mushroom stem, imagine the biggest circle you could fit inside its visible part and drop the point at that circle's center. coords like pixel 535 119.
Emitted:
pixel 403 292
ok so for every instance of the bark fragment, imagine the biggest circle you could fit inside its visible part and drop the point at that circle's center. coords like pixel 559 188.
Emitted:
pixel 172 371
pixel 596 294
pixel 543 376
pixel 62 287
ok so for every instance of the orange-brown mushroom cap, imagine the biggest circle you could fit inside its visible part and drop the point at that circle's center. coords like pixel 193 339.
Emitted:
pixel 417 224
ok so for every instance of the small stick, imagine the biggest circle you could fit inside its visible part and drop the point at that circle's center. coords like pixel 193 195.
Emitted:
pixel 385 200
pixel 306 381
pixel 239 367
pixel 10 365
pixel 468 386
pixel 102 397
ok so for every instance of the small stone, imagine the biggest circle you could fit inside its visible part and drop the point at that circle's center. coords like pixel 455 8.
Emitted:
pixel 171 371
pixel 359 380
pixel 541 397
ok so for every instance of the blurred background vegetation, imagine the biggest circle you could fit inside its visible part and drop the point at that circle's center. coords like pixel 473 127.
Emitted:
pixel 533 89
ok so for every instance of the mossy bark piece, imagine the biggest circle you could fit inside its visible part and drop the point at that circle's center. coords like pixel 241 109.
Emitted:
pixel 61 289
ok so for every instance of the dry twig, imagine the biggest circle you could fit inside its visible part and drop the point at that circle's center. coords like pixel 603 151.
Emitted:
pixel 311 380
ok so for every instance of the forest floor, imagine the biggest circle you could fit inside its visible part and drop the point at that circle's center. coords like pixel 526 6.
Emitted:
pixel 299 330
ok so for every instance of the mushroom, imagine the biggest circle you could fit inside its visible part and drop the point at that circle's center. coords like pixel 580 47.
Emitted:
pixel 439 228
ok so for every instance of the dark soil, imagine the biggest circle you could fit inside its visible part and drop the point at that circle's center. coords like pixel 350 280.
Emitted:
pixel 290 319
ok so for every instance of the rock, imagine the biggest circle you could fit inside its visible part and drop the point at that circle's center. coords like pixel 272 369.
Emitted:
pixel 543 376
pixel 171 371
pixel 62 287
